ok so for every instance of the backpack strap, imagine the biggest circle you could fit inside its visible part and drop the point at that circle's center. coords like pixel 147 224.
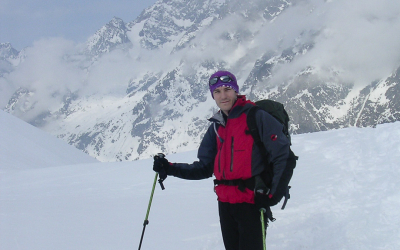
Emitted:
pixel 253 131
pixel 287 197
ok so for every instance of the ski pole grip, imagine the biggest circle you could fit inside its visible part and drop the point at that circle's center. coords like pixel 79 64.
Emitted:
pixel 160 180
pixel 160 155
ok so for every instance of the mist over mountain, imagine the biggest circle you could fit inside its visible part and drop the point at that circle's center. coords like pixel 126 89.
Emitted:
pixel 138 88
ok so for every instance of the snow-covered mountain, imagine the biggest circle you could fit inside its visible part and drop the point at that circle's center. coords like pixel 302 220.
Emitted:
pixel 139 88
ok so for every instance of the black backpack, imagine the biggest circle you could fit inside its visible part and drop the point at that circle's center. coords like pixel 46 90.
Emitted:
pixel 277 110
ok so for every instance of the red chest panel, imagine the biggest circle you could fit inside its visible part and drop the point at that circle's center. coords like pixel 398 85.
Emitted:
pixel 233 160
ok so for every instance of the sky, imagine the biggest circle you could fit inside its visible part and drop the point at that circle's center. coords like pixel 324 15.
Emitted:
pixel 345 195
pixel 25 21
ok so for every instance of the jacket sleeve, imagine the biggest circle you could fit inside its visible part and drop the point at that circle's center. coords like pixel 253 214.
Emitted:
pixel 203 168
pixel 275 142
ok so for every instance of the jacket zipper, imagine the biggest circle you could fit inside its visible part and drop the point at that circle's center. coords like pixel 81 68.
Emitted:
pixel 232 154
pixel 219 158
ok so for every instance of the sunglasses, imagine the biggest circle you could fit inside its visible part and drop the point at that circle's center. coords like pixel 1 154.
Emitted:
pixel 214 80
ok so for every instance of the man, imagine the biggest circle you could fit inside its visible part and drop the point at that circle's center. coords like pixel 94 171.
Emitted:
pixel 228 152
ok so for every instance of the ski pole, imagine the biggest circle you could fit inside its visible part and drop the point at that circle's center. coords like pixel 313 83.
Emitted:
pixel 262 210
pixel 146 221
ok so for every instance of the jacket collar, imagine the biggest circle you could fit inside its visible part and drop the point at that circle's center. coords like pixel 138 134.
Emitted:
pixel 219 116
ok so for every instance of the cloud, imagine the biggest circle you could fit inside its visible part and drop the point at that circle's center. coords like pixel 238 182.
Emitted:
pixel 363 39
pixel 55 68
pixel 50 70
pixel 6 91
pixel 358 39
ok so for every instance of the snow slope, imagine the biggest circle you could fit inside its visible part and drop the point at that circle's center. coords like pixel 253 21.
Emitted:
pixel 25 146
pixel 345 195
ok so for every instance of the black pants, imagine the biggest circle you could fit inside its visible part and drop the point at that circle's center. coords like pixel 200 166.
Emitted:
pixel 240 226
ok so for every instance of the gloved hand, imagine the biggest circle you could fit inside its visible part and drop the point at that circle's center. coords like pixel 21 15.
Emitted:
pixel 262 200
pixel 262 194
pixel 263 203
pixel 160 166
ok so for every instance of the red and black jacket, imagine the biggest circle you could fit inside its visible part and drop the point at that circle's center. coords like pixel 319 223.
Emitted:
pixel 229 152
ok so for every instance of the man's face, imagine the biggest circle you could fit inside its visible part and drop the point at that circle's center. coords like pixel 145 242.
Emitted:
pixel 225 97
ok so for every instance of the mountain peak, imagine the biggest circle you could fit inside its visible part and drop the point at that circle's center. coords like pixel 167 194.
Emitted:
pixel 7 51
pixel 117 23
pixel 110 36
